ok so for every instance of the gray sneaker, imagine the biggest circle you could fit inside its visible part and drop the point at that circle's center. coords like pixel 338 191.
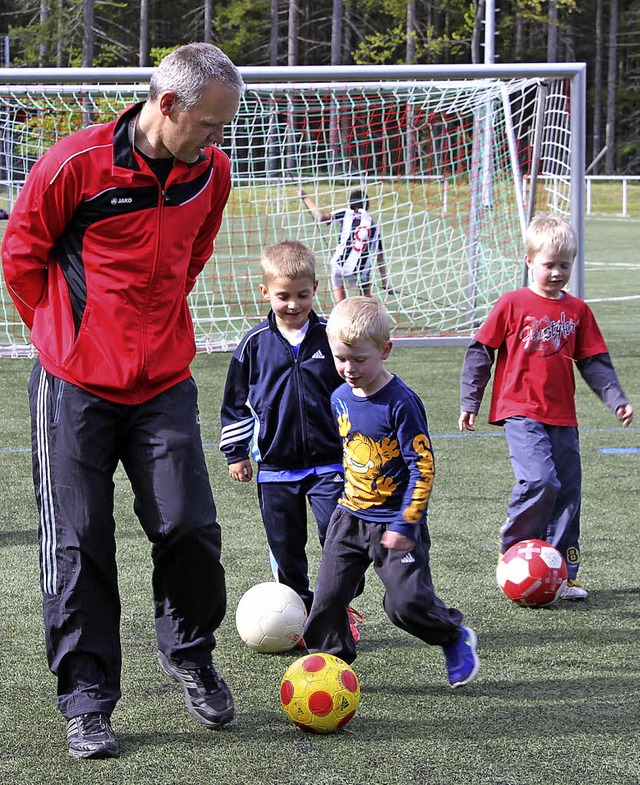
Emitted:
pixel 91 736
pixel 206 693
pixel 573 591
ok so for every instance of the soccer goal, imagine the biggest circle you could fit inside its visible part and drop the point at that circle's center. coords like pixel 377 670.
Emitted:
pixel 454 161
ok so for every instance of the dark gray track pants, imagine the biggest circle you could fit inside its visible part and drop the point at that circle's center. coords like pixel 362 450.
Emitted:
pixel 410 601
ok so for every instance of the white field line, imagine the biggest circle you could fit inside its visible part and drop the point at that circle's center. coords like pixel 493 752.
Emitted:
pixel 626 266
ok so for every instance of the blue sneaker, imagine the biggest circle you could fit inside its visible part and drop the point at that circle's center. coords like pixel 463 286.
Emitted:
pixel 462 660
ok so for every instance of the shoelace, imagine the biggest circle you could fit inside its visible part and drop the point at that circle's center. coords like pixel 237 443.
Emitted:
pixel 356 615
pixel 207 676
pixel 91 724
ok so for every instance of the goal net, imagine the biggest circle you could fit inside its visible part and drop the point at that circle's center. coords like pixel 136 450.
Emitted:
pixel 453 169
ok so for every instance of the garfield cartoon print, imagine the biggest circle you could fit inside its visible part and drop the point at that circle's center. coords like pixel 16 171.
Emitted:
pixel 375 470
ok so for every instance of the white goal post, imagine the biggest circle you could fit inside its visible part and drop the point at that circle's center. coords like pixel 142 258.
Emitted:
pixel 454 160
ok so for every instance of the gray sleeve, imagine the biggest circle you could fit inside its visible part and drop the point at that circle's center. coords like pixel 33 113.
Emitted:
pixel 600 376
pixel 475 375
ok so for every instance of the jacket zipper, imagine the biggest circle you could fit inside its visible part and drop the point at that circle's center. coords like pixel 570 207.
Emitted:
pixel 152 280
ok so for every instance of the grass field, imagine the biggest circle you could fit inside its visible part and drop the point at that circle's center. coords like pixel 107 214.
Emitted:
pixel 557 700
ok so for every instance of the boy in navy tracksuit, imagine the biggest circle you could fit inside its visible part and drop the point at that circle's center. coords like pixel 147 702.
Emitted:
pixel 277 396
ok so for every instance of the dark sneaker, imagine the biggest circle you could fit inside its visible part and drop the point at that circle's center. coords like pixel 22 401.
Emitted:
pixel 91 736
pixel 462 660
pixel 206 694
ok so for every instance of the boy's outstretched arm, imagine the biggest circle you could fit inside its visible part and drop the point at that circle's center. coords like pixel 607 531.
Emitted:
pixel 313 208
pixel 599 374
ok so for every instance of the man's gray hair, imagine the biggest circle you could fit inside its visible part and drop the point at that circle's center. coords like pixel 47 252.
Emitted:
pixel 188 70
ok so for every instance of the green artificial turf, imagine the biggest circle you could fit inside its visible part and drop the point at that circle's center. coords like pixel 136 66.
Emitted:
pixel 556 701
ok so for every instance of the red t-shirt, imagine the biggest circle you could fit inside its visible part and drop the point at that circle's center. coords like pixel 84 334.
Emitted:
pixel 538 339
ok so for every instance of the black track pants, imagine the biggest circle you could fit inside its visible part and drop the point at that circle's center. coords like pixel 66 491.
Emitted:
pixel 78 440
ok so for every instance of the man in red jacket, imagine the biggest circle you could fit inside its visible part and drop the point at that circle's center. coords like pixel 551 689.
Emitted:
pixel 101 250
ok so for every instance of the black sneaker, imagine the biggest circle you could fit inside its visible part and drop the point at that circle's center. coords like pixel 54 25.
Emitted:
pixel 206 693
pixel 91 736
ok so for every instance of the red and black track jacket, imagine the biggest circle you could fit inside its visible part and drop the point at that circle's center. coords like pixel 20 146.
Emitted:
pixel 99 260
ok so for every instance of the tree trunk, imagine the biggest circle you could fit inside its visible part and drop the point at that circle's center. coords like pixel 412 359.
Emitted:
pixel 477 31
pixel 411 32
pixel 207 22
pixel 519 37
pixel 59 33
pixel 570 39
pixel 88 37
pixel 292 38
pixel 143 47
pixel 347 29
pixel 552 33
pixel 610 157
pixel 273 42
pixel 42 49
pixel 597 83
pixel 336 33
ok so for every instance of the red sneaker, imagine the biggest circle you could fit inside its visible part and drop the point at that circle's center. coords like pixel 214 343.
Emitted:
pixel 355 619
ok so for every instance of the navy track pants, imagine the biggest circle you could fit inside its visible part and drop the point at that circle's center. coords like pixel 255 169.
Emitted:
pixel 284 513
pixel 546 498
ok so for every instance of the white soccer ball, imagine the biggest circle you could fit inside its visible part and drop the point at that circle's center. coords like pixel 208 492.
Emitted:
pixel 270 617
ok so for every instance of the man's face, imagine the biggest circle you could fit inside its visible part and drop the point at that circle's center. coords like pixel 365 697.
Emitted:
pixel 187 132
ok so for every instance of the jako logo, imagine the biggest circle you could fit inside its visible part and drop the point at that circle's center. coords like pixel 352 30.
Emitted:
pixel 122 200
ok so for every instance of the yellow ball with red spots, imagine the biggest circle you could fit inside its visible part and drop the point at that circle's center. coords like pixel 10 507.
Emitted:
pixel 320 693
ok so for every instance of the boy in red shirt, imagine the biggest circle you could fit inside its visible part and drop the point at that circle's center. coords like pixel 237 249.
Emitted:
pixel 539 331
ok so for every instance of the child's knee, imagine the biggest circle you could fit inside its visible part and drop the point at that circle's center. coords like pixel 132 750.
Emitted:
pixel 544 487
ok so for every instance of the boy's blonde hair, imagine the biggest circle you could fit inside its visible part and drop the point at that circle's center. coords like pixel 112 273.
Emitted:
pixel 359 318
pixel 553 232
pixel 288 259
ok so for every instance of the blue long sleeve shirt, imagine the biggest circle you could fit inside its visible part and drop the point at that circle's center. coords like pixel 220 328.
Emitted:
pixel 388 458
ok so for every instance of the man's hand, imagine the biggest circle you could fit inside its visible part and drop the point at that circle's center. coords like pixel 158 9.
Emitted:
pixel 625 414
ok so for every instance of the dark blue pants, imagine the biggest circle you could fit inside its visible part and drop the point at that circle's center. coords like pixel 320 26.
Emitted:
pixel 78 440
pixel 545 500
pixel 284 513
pixel 410 601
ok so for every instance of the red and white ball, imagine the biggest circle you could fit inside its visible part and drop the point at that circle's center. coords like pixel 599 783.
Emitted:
pixel 532 573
